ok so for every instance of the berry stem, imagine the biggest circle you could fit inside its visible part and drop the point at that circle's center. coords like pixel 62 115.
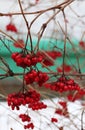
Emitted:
pixel 23 85
pixel 6 46
pixel 28 27
pixel 64 52
pixel 82 120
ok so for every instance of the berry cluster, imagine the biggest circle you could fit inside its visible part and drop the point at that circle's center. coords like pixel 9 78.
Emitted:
pixel 37 106
pixel 30 98
pixel 36 76
pixel 77 96
pixel 26 118
pixel 11 27
pixel 63 104
pixel 27 60
pixel 52 54
pixel 67 68
pixel 30 125
pixel 64 110
pixel 49 54
pixel 63 84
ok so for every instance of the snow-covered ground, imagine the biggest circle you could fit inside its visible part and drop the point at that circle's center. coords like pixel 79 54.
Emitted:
pixel 9 119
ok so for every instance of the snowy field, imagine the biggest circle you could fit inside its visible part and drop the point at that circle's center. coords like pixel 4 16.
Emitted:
pixel 9 119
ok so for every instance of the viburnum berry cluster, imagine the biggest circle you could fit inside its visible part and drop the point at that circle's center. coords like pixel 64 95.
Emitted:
pixel 26 60
pixel 28 126
pixel 11 27
pixel 49 54
pixel 62 111
pixel 26 118
pixel 63 84
pixel 78 95
pixel 36 76
pixel 30 98
pixel 67 68
pixel 53 54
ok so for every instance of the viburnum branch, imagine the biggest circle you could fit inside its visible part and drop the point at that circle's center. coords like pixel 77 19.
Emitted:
pixel 58 74
pixel 2 96
pixel 82 114
pixel 77 58
pixel 45 24
pixel 23 85
pixel 83 35
pixel 35 19
pixel 40 11
pixel 40 35
pixel 73 11
pixel 64 52
pixel 50 73
pixel 28 28
pixel 10 72
pixel 10 37
pixel 6 46
pixel 60 9
pixel 73 65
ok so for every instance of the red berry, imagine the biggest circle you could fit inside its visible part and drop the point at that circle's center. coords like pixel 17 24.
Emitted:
pixel 54 120
pixel 14 54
